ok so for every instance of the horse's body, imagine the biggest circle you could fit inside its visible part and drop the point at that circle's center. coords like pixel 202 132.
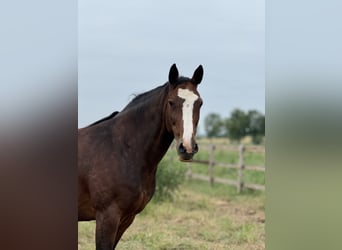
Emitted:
pixel 118 156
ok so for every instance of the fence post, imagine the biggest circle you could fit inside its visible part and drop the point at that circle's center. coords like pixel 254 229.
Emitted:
pixel 211 165
pixel 240 168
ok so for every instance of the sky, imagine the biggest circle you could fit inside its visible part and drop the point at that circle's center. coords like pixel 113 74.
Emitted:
pixel 128 47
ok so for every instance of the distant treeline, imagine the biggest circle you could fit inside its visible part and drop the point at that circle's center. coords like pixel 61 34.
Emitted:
pixel 237 126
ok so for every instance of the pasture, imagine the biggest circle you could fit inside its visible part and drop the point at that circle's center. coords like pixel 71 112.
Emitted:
pixel 199 217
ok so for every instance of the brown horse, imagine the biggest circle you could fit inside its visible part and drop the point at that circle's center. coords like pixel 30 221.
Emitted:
pixel 118 155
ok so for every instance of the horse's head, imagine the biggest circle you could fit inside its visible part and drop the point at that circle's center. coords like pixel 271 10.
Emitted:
pixel 183 111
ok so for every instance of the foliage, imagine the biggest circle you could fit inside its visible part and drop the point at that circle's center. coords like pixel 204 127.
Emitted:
pixel 170 175
pixel 213 125
pixel 256 126
pixel 237 125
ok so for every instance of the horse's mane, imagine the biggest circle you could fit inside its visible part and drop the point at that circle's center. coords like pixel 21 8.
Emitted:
pixel 146 95
pixel 143 97
pixel 104 119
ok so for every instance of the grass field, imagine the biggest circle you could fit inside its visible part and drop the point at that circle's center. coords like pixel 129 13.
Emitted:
pixel 199 217
pixel 225 156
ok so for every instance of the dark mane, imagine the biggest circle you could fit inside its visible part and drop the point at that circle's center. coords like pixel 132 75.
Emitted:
pixel 137 99
pixel 104 119
pixel 146 95
pixel 142 97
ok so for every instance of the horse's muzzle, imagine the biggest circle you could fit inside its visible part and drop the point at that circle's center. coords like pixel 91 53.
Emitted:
pixel 184 154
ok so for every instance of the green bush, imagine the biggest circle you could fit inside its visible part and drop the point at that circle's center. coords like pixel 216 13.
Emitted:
pixel 170 174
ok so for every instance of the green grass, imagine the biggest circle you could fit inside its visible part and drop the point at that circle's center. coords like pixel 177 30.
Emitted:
pixel 200 217
pixel 230 157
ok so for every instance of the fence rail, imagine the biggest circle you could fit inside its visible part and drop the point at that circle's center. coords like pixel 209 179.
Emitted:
pixel 240 167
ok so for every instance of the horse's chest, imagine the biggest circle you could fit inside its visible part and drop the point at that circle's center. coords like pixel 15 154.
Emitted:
pixel 140 195
pixel 142 201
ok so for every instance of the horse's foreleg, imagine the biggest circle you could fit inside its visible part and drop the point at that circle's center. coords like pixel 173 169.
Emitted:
pixel 122 228
pixel 107 225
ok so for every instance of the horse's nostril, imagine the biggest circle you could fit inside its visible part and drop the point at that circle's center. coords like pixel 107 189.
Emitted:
pixel 181 148
pixel 195 148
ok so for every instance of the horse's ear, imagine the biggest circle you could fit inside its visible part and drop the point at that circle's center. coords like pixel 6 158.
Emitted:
pixel 198 75
pixel 173 74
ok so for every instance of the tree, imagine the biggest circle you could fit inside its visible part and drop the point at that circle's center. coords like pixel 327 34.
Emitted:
pixel 213 125
pixel 237 125
pixel 256 126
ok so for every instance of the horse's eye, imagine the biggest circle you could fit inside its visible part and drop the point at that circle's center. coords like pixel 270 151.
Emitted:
pixel 171 103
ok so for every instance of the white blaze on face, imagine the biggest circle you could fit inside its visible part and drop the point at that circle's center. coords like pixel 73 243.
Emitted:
pixel 187 112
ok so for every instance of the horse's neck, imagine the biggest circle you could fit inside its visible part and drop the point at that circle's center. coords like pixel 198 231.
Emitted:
pixel 152 137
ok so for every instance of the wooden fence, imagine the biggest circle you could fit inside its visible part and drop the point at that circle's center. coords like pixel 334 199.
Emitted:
pixel 241 167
